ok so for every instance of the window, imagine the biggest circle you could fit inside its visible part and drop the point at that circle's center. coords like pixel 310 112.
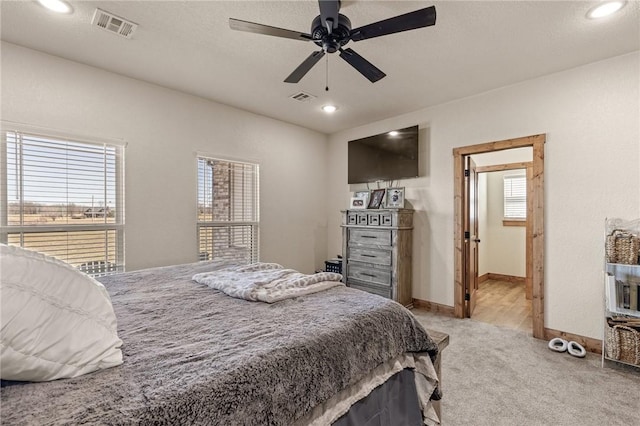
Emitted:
pixel 63 198
pixel 515 197
pixel 228 210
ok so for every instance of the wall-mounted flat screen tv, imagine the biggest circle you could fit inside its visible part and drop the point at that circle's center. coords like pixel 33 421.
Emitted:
pixel 387 156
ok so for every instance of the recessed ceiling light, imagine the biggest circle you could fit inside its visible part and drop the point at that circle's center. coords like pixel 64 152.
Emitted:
pixel 605 9
pixel 59 6
pixel 329 108
pixel 393 133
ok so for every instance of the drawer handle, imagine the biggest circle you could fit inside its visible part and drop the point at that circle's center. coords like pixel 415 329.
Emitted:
pixel 369 236
pixel 367 275
pixel 368 255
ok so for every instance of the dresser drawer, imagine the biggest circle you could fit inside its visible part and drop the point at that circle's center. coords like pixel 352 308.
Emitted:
pixel 362 254
pixel 352 218
pixel 380 237
pixel 385 219
pixel 380 291
pixel 373 219
pixel 369 274
pixel 361 218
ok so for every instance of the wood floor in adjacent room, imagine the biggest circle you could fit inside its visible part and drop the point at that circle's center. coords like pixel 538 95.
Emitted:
pixel 504 304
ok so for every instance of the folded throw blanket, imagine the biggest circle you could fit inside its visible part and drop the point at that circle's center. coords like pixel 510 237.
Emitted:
pixel 266 282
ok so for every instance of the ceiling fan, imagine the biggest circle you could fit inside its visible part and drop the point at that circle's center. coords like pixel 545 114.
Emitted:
pixel 331 31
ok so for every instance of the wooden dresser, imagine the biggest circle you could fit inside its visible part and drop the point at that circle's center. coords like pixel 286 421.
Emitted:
pixel 376 252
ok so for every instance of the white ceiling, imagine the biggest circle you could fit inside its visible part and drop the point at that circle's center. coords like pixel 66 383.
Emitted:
pixel 475 46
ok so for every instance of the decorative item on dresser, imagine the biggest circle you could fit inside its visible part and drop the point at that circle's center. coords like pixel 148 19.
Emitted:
pixel 394 198
pixel 376 252
pixel 377 195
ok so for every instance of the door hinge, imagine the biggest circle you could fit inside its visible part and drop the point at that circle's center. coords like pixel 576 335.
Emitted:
pixel 466 173
pixel 467 235
pixel 467 296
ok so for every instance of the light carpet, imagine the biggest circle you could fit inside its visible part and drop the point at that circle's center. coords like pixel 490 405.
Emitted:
pixel 498 376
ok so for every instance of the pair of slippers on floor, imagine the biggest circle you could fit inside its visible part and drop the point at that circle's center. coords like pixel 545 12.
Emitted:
pixel 561 345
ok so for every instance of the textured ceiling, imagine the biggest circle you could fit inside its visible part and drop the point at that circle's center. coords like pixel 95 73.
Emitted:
pixel 475 46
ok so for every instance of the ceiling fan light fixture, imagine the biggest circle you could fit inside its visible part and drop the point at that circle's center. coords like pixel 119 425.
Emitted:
pixel 329 109
pixel 605 9
pixel 58 6
pixel 332 30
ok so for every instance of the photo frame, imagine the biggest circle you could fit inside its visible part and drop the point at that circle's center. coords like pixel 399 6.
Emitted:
pixel 394 198
pixel 358 203
pixel 375 201
pixel 363 194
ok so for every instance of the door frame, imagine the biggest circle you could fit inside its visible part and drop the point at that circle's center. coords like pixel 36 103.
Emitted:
pixel 535 221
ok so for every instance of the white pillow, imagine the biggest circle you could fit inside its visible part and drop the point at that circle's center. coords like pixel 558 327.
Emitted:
pixel 56 321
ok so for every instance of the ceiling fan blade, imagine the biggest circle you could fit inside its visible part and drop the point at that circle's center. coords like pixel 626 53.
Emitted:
pixel 252 27
pixel 329 13
pixel 363 66
pixel 409 21
pixel 304 67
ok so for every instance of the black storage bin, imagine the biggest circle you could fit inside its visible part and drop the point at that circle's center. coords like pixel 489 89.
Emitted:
pixel 333 266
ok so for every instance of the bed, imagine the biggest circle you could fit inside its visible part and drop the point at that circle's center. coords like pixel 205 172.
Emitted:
pixel 193 355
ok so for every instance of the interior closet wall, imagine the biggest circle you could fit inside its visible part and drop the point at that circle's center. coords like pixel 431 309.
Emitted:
pixel 502 248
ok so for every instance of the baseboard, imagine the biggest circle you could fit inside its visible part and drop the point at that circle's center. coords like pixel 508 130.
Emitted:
pixel 590 344
pixel 482 278
pixel 433 307
pixel 502 277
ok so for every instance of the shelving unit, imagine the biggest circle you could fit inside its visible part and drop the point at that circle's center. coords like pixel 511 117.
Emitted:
pixel 621 340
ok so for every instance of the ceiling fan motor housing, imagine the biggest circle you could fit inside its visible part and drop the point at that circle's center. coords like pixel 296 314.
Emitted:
pixel 331 31
pixel 339 36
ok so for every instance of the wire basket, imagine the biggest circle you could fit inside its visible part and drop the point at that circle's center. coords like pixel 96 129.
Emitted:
pixel 623 247
pixel 623 344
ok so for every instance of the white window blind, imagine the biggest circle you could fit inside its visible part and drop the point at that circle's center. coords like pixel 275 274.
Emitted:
pixel 228 210
pixel 515 196
pixel 63 198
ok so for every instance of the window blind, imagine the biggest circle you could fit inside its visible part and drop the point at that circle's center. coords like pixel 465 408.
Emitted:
pixel 515 196
pixel 228 210
pixel 64 198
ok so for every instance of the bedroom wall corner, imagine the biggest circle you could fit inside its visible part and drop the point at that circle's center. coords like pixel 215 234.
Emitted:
pixel 164 130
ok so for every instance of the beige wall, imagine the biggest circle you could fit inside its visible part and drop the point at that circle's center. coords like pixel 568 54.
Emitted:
pixel 590 115
pixel 502 249
pixel 164 129
pixel 483 252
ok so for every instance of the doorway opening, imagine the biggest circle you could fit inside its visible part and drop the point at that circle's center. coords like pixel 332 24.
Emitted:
pixel 502 298
pixel 466 282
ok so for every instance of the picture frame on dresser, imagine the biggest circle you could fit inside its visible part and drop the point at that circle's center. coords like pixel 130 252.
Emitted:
pixel 362 194
pixel 377 196
pixel 358 203
pixel 394 198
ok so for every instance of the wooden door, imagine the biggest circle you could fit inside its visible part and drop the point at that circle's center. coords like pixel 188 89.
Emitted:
pixel 471 235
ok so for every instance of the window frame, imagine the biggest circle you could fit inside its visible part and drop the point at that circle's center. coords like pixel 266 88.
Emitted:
pixel 254 224
pixel 23 131
pixel 521 199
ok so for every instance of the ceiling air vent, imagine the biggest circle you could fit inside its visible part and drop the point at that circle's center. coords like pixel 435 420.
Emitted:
pixel 114 24
pixel 302 97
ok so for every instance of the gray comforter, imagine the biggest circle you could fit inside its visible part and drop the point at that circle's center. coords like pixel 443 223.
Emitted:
pixel 193 355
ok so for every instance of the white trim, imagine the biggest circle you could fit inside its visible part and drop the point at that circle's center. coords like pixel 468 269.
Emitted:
pixel 34 229
pixel 8 126
pixel 210 156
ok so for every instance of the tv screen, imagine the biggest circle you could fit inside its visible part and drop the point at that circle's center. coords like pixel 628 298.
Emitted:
pixel 387 156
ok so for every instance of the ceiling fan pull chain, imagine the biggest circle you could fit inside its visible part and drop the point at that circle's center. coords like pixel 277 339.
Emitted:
pixel 326 88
